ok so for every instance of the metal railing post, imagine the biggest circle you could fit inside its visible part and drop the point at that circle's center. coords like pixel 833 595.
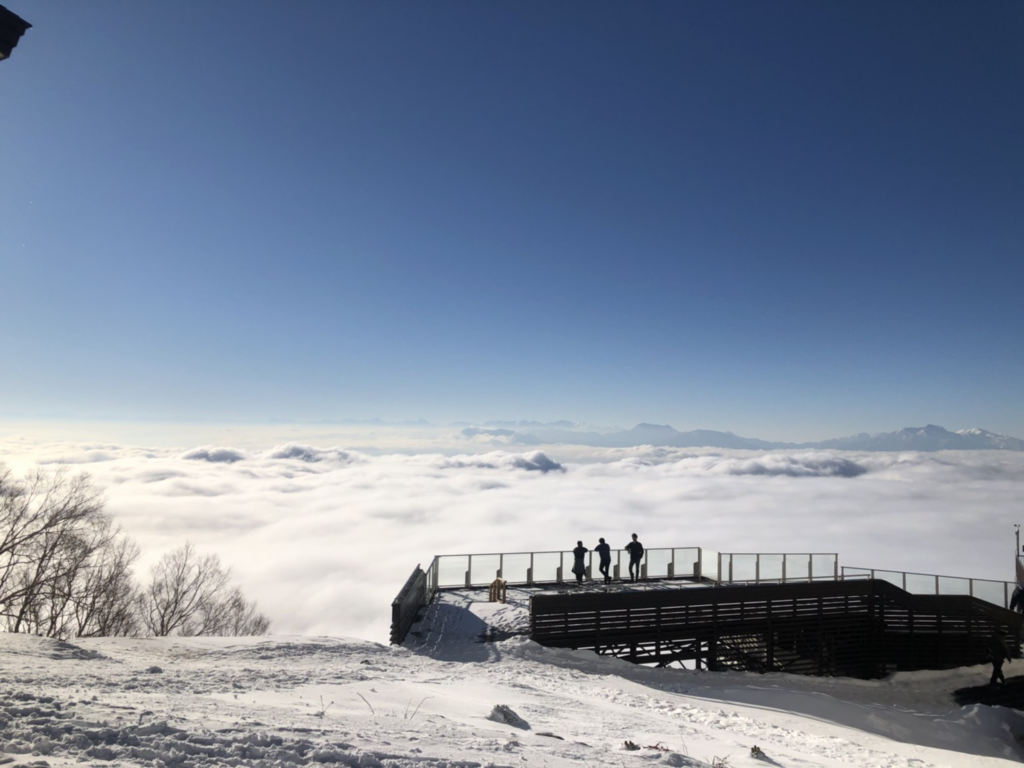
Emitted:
pixel 501 566
pixel 757 568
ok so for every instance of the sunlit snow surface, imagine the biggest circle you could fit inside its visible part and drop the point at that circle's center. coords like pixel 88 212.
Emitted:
pixel 286 701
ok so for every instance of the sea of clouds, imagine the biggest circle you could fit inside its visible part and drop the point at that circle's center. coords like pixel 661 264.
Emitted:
pixel 324 537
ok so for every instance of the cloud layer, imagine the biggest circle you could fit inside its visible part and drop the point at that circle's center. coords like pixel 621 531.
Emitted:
pixel 323 538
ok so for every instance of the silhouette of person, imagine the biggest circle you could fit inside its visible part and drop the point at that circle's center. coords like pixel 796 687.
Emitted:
pixel 578 567
pixel 605 553
pixel 636 553
pixel 1017 599
pixel 998 651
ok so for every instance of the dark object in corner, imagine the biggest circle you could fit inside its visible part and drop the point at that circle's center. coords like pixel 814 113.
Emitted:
pixel 12 27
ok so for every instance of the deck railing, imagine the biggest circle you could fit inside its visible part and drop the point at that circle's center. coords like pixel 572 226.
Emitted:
pixel 691 563
pixel 404 608
pixel 779 567
pixel 989 590
pixel 555 567
pixel 683 563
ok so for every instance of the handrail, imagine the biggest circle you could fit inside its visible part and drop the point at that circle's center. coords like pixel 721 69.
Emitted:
pixel 647 549
pixel 781 554
pixel 921 573
pixel 990 590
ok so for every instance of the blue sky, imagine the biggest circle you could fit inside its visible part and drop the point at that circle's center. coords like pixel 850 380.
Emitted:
pixel 792 220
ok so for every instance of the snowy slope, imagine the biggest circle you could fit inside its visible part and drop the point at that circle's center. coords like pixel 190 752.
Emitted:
pixel 302 700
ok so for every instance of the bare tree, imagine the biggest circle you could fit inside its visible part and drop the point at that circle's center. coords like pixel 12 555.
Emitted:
pixel 51 527
pixel 66 570
pixel 108 600
pixel 189 595
pixel 232 615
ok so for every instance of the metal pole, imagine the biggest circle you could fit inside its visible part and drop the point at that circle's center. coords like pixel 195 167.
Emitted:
pixel 1016 555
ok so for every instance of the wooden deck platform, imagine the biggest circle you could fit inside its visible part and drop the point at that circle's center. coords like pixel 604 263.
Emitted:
pixel 857 628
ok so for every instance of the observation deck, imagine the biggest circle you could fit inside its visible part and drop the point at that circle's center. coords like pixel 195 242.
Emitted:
pixel 795 612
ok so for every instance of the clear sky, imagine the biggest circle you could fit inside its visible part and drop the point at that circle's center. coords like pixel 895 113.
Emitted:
pixel 792 220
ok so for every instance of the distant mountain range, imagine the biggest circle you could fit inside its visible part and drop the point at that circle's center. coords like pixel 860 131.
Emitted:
pixel 929 438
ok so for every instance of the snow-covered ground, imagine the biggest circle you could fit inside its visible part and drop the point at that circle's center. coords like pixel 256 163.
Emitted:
pixel 283 701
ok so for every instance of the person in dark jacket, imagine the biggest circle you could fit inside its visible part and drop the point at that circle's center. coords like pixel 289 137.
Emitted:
pixel 605 552
pixel 578 566
pixel 636 554
pixel 999 653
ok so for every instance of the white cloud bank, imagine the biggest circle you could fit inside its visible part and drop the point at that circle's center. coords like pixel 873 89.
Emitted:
pixel 323 538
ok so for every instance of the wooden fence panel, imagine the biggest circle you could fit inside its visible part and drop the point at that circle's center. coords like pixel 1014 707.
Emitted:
pixel 404 608
pixel 862 628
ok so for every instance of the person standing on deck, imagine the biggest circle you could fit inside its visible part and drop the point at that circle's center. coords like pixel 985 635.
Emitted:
pixel 578 566
pixel 636 554
pixel 605 552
